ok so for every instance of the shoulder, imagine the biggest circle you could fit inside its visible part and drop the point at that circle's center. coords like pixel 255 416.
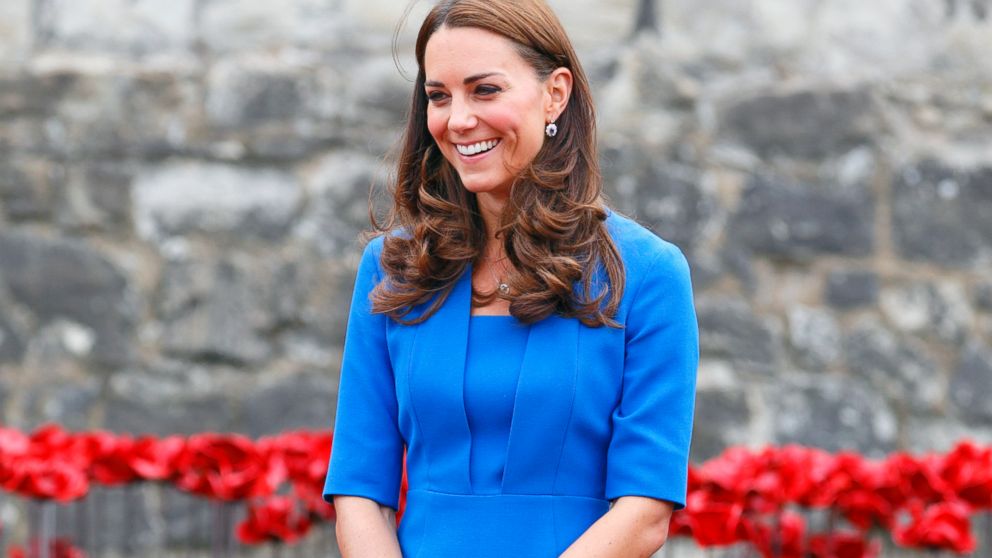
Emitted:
pixel 643 252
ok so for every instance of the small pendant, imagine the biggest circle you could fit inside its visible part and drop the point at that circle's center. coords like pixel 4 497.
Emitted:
pixel 504 288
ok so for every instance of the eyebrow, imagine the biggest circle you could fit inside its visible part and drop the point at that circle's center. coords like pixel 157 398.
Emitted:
pixel 468 80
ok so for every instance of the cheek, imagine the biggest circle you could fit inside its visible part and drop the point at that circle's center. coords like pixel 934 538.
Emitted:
pixel 436 125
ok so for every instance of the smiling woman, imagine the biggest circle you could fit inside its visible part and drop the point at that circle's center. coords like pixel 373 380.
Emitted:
pixel 490 125
pixel 530 351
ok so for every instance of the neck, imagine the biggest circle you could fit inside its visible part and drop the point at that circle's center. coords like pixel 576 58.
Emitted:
pixel 491 207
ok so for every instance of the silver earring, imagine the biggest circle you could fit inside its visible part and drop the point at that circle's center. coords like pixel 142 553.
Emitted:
pixel 551 130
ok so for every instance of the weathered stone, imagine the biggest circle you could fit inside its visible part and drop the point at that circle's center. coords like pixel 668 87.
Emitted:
pixel 731 331
pixel 851 289
pixel 664 196
pixel 931 204
pixel 140 27
pixel 899 368
pixel 173 397
pixel 808 124
pixel 939 309
pixel 301 401
pixel 983 297
pixel 376 95
pixel 28 188
pixel 972 383
pixel 831 413
pixel 31 94
pixel 15 33
pixel 11 341
pixel 247 95
pixel 238 25
pixel 722 419
pixel 102 115
pixel 186 197
pixel 339 187
pixel 940 433
pixel 97 196
pixel 67 403
pixel 799 221
pixel 64 278
pixel 220 314
pixel 815 337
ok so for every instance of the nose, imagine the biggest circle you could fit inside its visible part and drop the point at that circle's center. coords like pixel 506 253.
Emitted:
pixel 461 118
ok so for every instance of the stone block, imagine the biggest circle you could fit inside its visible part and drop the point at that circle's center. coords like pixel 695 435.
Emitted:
pixel 941 215
pixel 68 403
pixel 852 289
pixel 815 337
pixel 248 93
pixel 722 420
pixel 939 309
pixel 832 413
pixel 339 187
pixel 664 196
pixel 300 401
pixel 186 197
pixel 731 331
pixel 799 221
pixel 15 33
pixel 97 196
pixel 217 311
pixel 235 25
pixel 55 278
pixel 983 297
pixel 173 397
pixel 901 368
pixel 28 188
pixel 12 341
pixel 139 27
pixel 971 385
pixel 805 125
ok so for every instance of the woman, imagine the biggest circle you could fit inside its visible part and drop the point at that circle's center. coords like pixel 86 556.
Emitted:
pixel 532 351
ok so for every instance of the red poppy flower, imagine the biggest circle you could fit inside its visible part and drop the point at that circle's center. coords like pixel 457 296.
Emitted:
pixel 226 467
pixel 780 536
pixel 108 456
pixel 714 523
pixel 154 459
pixel 49 479
pixel 967 471
pixel 842 545
pixel 939 526
pixel 277 518
pixel 58 548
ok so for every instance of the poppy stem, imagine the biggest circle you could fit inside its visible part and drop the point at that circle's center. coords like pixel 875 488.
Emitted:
pixel 47 528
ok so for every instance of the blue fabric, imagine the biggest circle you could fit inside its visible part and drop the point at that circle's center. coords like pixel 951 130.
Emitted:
pixel 495 351
pixel 598 413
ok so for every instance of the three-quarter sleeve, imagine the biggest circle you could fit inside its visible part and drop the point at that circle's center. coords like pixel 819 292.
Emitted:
pixel 652 424
pixel 367 449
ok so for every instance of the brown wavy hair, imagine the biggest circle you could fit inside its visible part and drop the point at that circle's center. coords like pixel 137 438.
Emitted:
pixel 553 225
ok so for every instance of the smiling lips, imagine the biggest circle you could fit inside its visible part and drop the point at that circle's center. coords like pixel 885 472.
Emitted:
pixel 476 148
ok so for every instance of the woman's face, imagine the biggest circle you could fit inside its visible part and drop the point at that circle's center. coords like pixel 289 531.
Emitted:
pixel 487 109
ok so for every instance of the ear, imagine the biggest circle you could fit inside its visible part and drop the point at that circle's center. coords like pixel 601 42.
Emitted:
pixel 558 88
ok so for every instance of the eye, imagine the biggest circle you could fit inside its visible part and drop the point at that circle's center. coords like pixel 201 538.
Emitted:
pixel 436 96
pixel 486 90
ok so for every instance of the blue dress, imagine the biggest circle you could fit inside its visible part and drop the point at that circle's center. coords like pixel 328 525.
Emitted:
pixel 517 437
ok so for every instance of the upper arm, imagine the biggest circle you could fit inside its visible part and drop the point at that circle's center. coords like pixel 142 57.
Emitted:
pixel 367 448
pixel 652 425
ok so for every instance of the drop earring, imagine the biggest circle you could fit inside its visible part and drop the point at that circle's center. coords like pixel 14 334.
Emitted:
pixel 551 130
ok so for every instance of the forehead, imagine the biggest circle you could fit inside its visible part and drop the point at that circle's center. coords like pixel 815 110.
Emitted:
pixel 458 52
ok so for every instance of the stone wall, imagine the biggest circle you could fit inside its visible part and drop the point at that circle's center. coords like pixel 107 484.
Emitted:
pixel 182 183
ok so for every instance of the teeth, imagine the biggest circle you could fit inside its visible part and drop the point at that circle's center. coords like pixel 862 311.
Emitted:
pixel 476 148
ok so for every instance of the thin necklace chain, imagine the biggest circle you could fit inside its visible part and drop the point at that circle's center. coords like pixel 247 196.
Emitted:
pixel 503 288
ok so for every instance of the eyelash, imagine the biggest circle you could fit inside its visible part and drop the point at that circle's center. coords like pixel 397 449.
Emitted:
pixel 483 90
